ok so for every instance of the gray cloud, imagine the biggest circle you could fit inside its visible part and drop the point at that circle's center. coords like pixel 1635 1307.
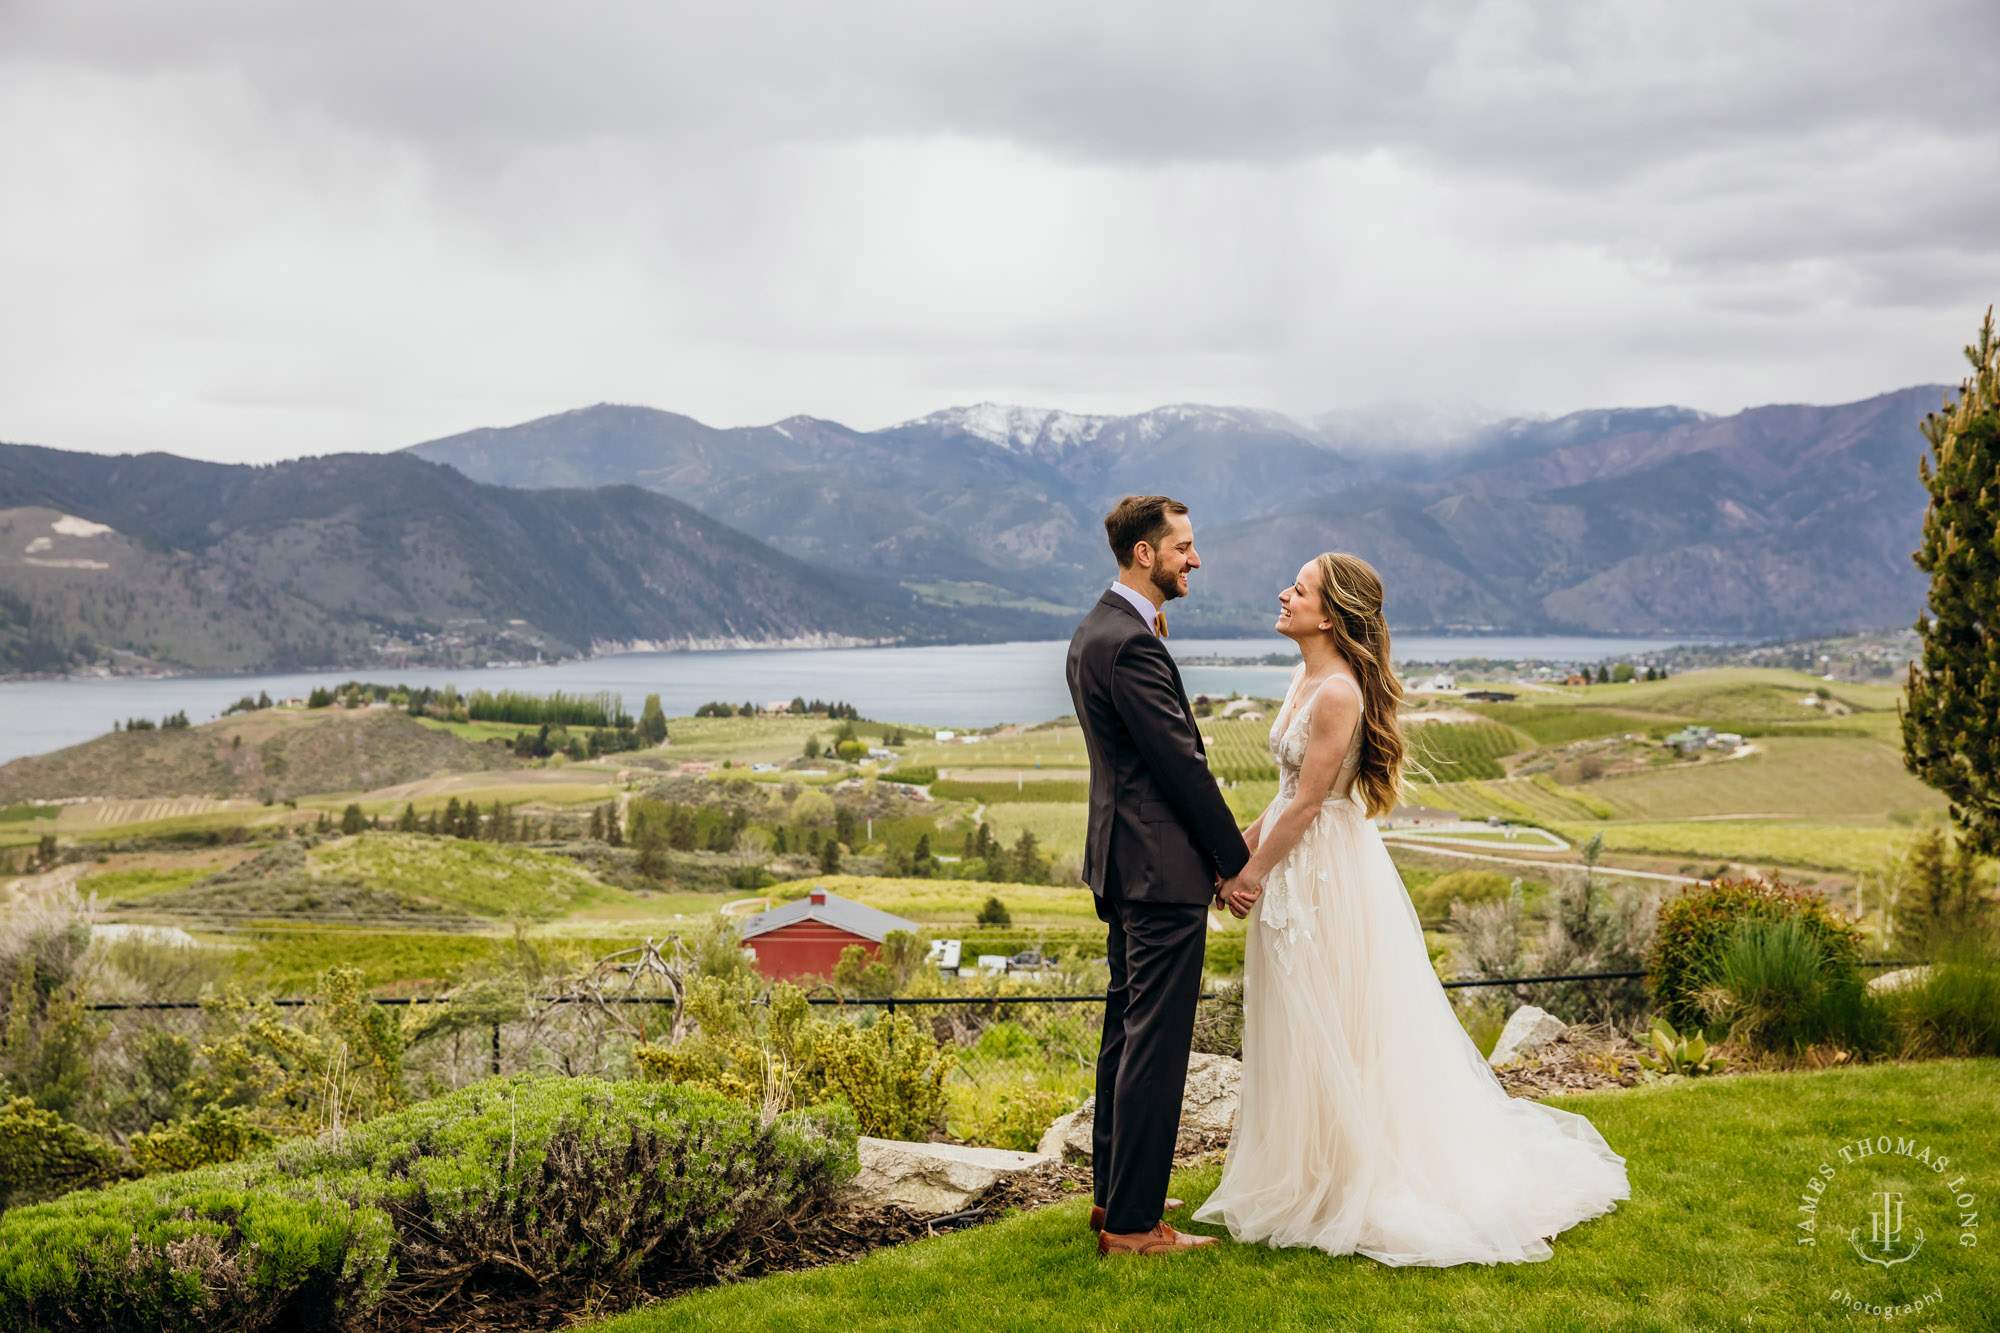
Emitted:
pixel 244 229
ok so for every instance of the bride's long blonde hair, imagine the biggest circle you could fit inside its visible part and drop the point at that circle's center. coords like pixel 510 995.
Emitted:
pixel 1350 595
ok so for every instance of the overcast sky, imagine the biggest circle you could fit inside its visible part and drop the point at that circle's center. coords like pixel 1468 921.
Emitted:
pixel 245 230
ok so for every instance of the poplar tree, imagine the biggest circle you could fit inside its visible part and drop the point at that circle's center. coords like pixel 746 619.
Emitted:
pixel 1951 709
pixel 652 721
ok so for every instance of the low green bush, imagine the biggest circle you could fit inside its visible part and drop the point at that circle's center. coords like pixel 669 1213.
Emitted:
pixel 1951 1008
pixel 1697 925
pixel 42 1155
pixel 1434 900
pixel 538 1191
pixel 1778 986
pixel 210 1136
pixel 776 1051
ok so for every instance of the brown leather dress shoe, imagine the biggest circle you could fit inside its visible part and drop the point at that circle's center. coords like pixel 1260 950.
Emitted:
pixel 1097 1212
pixel 1162 1239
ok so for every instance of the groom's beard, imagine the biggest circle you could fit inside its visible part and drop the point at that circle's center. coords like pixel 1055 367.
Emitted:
pixel 1168 584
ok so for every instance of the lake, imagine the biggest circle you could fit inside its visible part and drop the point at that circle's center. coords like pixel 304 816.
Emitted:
pixel 963 685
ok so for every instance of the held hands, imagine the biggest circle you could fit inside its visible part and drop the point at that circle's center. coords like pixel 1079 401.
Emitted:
pixel 1239 895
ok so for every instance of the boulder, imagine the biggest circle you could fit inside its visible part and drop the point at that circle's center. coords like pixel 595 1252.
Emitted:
pixel 1890 981
pixel 1067 1139
pixel 1528 1030
pixel 1208 1109
pixel 932 1179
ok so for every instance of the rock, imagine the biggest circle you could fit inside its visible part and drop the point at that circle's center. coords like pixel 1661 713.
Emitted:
pixel 1208 1103
pixel 932 1179
pixel 1528 1030
pixel 1901 977
pixel 1067 1139
pixel 1208 1110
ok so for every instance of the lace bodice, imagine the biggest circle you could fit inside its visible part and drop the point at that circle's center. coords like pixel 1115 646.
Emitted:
pixel 1293 729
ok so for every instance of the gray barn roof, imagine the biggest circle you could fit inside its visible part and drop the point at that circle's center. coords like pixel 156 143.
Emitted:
pixel 836 911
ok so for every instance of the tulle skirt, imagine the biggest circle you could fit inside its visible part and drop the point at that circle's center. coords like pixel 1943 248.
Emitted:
pixel 1369 1124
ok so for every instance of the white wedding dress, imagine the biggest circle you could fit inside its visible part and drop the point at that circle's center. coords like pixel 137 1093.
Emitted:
pixel 1369 1124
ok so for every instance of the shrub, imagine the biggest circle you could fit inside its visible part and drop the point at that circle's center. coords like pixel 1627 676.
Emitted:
pixel 1952 1008
pixel 1019 1118
pixel 891 1073
pixel 993 912
pixel 1466 886
pixel 1776 985
pixel 42 1155
pixel 537 1190
pixel 1694 927
pixel 211 1136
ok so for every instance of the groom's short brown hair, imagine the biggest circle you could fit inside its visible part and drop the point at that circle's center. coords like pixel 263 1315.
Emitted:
pixel 1138 518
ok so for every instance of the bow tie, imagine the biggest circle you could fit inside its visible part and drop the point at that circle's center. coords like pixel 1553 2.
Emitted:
pixel 1160 624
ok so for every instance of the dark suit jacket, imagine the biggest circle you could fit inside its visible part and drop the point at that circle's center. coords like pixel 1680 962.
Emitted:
pixel 1160 830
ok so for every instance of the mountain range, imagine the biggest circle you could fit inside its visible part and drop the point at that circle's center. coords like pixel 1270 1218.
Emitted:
pixel 1772 521
pixel 616 527
pixel 367 559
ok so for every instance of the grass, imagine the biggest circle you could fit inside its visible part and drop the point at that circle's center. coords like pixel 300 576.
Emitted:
pixel 1050 747
pixel 1557 724
pixel 1753 842
pixel 122 884
pixel 483 878
pixel 1706 1242
pixel 1011 793
pixel 506 788
pixel 944 901
pixel 1808 777
pixel 1058 826
pixel 288 962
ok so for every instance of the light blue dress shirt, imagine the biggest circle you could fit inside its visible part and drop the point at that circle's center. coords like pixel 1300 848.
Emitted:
pixel 1140 603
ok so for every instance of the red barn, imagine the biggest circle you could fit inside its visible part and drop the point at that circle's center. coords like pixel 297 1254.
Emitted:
pixel 806 938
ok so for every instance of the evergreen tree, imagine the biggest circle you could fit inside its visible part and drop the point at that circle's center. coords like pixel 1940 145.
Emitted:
pixel 597 823
pixel 829 857
pixel 614 831
pixel 653 721
pixel 1951 715
pixel 920 860
pixel 452 819
pixel 1944 899
pixel 993 912
pixel 407 821
pixel 431 825
pixel 812 747
pixel 1028 865
pixel 652 845
pixel 1603 674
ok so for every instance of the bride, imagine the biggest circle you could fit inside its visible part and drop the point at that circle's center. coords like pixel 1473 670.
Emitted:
pixel 1368 1123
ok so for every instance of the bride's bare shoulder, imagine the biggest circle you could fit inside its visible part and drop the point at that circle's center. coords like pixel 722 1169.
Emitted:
pixel 1336 700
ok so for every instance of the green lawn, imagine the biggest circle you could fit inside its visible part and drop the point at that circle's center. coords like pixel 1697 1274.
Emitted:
pixel 1707 1241
pixel 1853 848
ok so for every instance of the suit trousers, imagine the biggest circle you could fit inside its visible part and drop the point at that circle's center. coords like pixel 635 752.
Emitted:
pixel 1155 951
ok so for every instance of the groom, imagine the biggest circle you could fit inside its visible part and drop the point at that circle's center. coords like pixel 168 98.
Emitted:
pixel 1161 838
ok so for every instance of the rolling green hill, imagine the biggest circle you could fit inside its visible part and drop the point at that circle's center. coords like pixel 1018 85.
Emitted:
pixel 274 753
